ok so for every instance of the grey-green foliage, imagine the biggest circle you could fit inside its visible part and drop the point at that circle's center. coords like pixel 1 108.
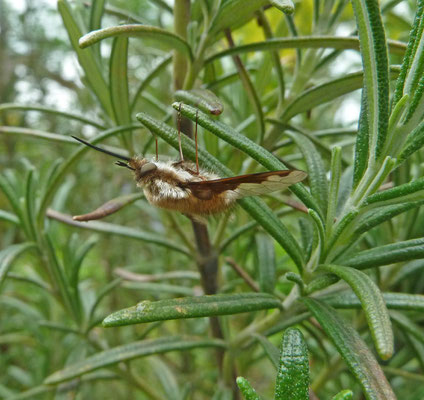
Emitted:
pixel 348 237
pixel 292 382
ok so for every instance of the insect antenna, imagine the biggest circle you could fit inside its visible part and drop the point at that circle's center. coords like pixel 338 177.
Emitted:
pixel 179 132
pixel 122 164
pixel 195 142
pixel 111 153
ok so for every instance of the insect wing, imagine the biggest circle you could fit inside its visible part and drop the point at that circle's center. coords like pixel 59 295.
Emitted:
pixel 247 185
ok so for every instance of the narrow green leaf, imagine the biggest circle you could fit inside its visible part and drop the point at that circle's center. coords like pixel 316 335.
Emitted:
pixel 362 141
pixel 316 168
pixel 203 99
pixel 250 89
pixel 30 202
pixel 119 230
pixel 11 195
pixel 96 13
pixel 9 255
pixel 286 6
pixel 284 323
pixel 86 58
pixel 32 393
pixel 332 42
pixel 270 350
pixel 53 111
pixel 33 281
pixel 397 193
pixel 328 91
pixel 376 71
pixel 226 79
pixel 28 310
pixel 124 15
pixel 297 279
pixel 337 239
pixel 393 301
pixel 409 53
pixel 129 352
pixel 77 257
pixel 293 373
pixel 35 133
pixel 333 195
pixel 408 269
pixel 275 57
pixel 415 141
pixel 354 351
pixel 373 305
pixel 307 236
pixel 243 143
pixel 192 307
pixel 246 389
pixel 388 254
pixel 415 110
pixel 320 282
pixel 167 378
pixel 157 288
pixel 265 256
pixel 271 223
pixel 234 13
pixel 60 283
pixel 408 325
pixel 35 392
pixel 370 186
pixel 414 78
pixel 315 138
pixel 58 327
pixel 320 230
pixel 254 206
pixel 151 75
pixel 343 395
pixel 236 234
pixel 118 80
pixel 383 214
pixel 162 36
pixel 9 217
pixel 397 114
pixel 406 375
pixel 417 347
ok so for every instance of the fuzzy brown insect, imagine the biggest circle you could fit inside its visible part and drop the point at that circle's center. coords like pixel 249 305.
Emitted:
pixel 183 186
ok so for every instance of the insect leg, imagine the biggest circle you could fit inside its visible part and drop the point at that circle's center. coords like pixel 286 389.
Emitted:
pixel 179 133
pixel 195 140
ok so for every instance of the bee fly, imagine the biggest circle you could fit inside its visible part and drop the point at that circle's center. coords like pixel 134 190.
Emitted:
pixel 182 186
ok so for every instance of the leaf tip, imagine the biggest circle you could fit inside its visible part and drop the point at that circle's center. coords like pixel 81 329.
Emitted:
pixel 109 321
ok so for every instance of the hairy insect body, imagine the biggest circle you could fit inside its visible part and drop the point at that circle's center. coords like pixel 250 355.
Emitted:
pixel 184 187
pixel 167 185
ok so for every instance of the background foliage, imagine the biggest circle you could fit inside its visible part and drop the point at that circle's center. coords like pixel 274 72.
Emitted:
pixel 288 78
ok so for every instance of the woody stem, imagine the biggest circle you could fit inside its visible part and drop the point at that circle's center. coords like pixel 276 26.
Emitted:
pixel 207 258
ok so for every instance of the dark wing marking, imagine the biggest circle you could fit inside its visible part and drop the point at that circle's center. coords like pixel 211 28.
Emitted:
pixel 246 185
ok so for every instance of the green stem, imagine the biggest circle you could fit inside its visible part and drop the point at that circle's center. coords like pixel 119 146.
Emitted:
pixel 181 21
pixel 263 21
pixel 249 88
pixel 197 64
pixel 207 258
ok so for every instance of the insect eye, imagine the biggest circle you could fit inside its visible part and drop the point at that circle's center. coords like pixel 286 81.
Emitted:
pixel 147 168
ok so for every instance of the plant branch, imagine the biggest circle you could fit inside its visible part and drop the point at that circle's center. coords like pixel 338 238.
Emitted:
pixel 207 258
pixel 243 274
